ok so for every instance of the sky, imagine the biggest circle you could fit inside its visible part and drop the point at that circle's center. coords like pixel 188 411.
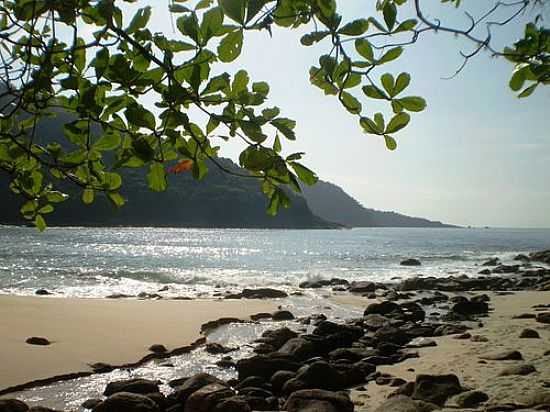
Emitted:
pixel 477 156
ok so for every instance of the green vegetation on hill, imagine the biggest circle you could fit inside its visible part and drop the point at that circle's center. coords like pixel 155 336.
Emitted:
pixel 331 203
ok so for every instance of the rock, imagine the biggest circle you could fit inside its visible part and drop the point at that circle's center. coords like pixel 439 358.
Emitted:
pixel 13 405
pixel 449 329
pixel 119 296
pixel 362 287
pixel 158 348
pixel 375 321
pixel 421 343
pixel 192 385
pixel 543 317
pixel 506 269
pixel 263 293
pixel 282 315
pixel 260 316
pixel 265 365
pixel 524 369
pixel 42 292
pixel 522 257
pixel 326 328
pixel 382 308
pixel 215 348
pixel 233 404
pixel 279 378
pixel 491 262
pixel 214 324
pixel 277 337
pixel 137 385
pixel 470 307
pixel 299 348
pixel 411 262
pixel 469 399
pixel 42 409
pixel 543 256
pixel 35 340
pixel 402 403
pixel 320 375
pixel 529 334
pixel 390 334
pixel 208 397
pixel 506 355
pixel 91 403
pixel 484 272
pixel 525 316
pixel 436 388
pixel 127 402
pixel 316 400
pixel 538 397
pixel 479 338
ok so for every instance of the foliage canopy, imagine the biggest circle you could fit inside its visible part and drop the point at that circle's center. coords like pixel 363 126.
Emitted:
pixel 89 59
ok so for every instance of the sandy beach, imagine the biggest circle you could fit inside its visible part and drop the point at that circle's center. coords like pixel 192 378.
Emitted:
pixel 463 357
pixel 84 331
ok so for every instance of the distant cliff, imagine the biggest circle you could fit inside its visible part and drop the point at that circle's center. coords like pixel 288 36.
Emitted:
pixel 331 203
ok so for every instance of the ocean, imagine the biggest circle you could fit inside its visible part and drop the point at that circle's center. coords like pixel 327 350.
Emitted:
pixel 96 262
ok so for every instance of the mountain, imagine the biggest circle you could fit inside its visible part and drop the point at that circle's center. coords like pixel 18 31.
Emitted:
pixel 219 200
pixel 331 203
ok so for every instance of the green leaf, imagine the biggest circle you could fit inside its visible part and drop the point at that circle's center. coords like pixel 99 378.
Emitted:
pixel 285 126
pixel 234 9
pixel 56 197
pixel 364 48
pixel 231 46
pixel 157 177
pixel 116 199
pixel 108 141
pixel 254 7
pixel 304 174
pixel 212 24
pixel 369 126
pixel 390 14
pixel 314 37
pixel 398 122
pixel 140 20
pixel 261 88
pixel 350 103
pixel 528 91
pixel 379 120
pixel 277 145
pixel 518 79
pixel 388 82
pixel 189 26
pixel 406 26
pixel 374 92
pixel 355 28
pixel 401 83
pixel 101 62
pixel 390 55
pixel 88 196
pixel 240 82
pixel 413 103
pixel 139 116
pixel 40 223
pixel 391 144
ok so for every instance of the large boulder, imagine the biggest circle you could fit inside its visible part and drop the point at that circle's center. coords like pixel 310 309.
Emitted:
pixel 299 348
pixel 192 385
pixel 233 404
pixel 321 375
pixel 543 256
pixel 265 365
pixel 13 405
pixel 277 337
pixel 127 402
pixel 543 317
pixel 470 399
pixel 138 385
pixel 436 388
pixel 208 397
pixel 316 400
pixel 326 328
pixel 263 293
pixel 362 286
pixel 411 262
pixel 382 308
pixel 470 307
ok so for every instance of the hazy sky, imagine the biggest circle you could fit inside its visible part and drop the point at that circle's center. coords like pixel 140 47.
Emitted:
pixel 477 156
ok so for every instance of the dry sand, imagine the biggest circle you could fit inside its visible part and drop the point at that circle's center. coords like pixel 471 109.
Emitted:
pixel 462 357
pixel 86 331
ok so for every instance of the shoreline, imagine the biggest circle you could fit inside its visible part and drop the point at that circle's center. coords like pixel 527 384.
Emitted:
pixel 84 331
